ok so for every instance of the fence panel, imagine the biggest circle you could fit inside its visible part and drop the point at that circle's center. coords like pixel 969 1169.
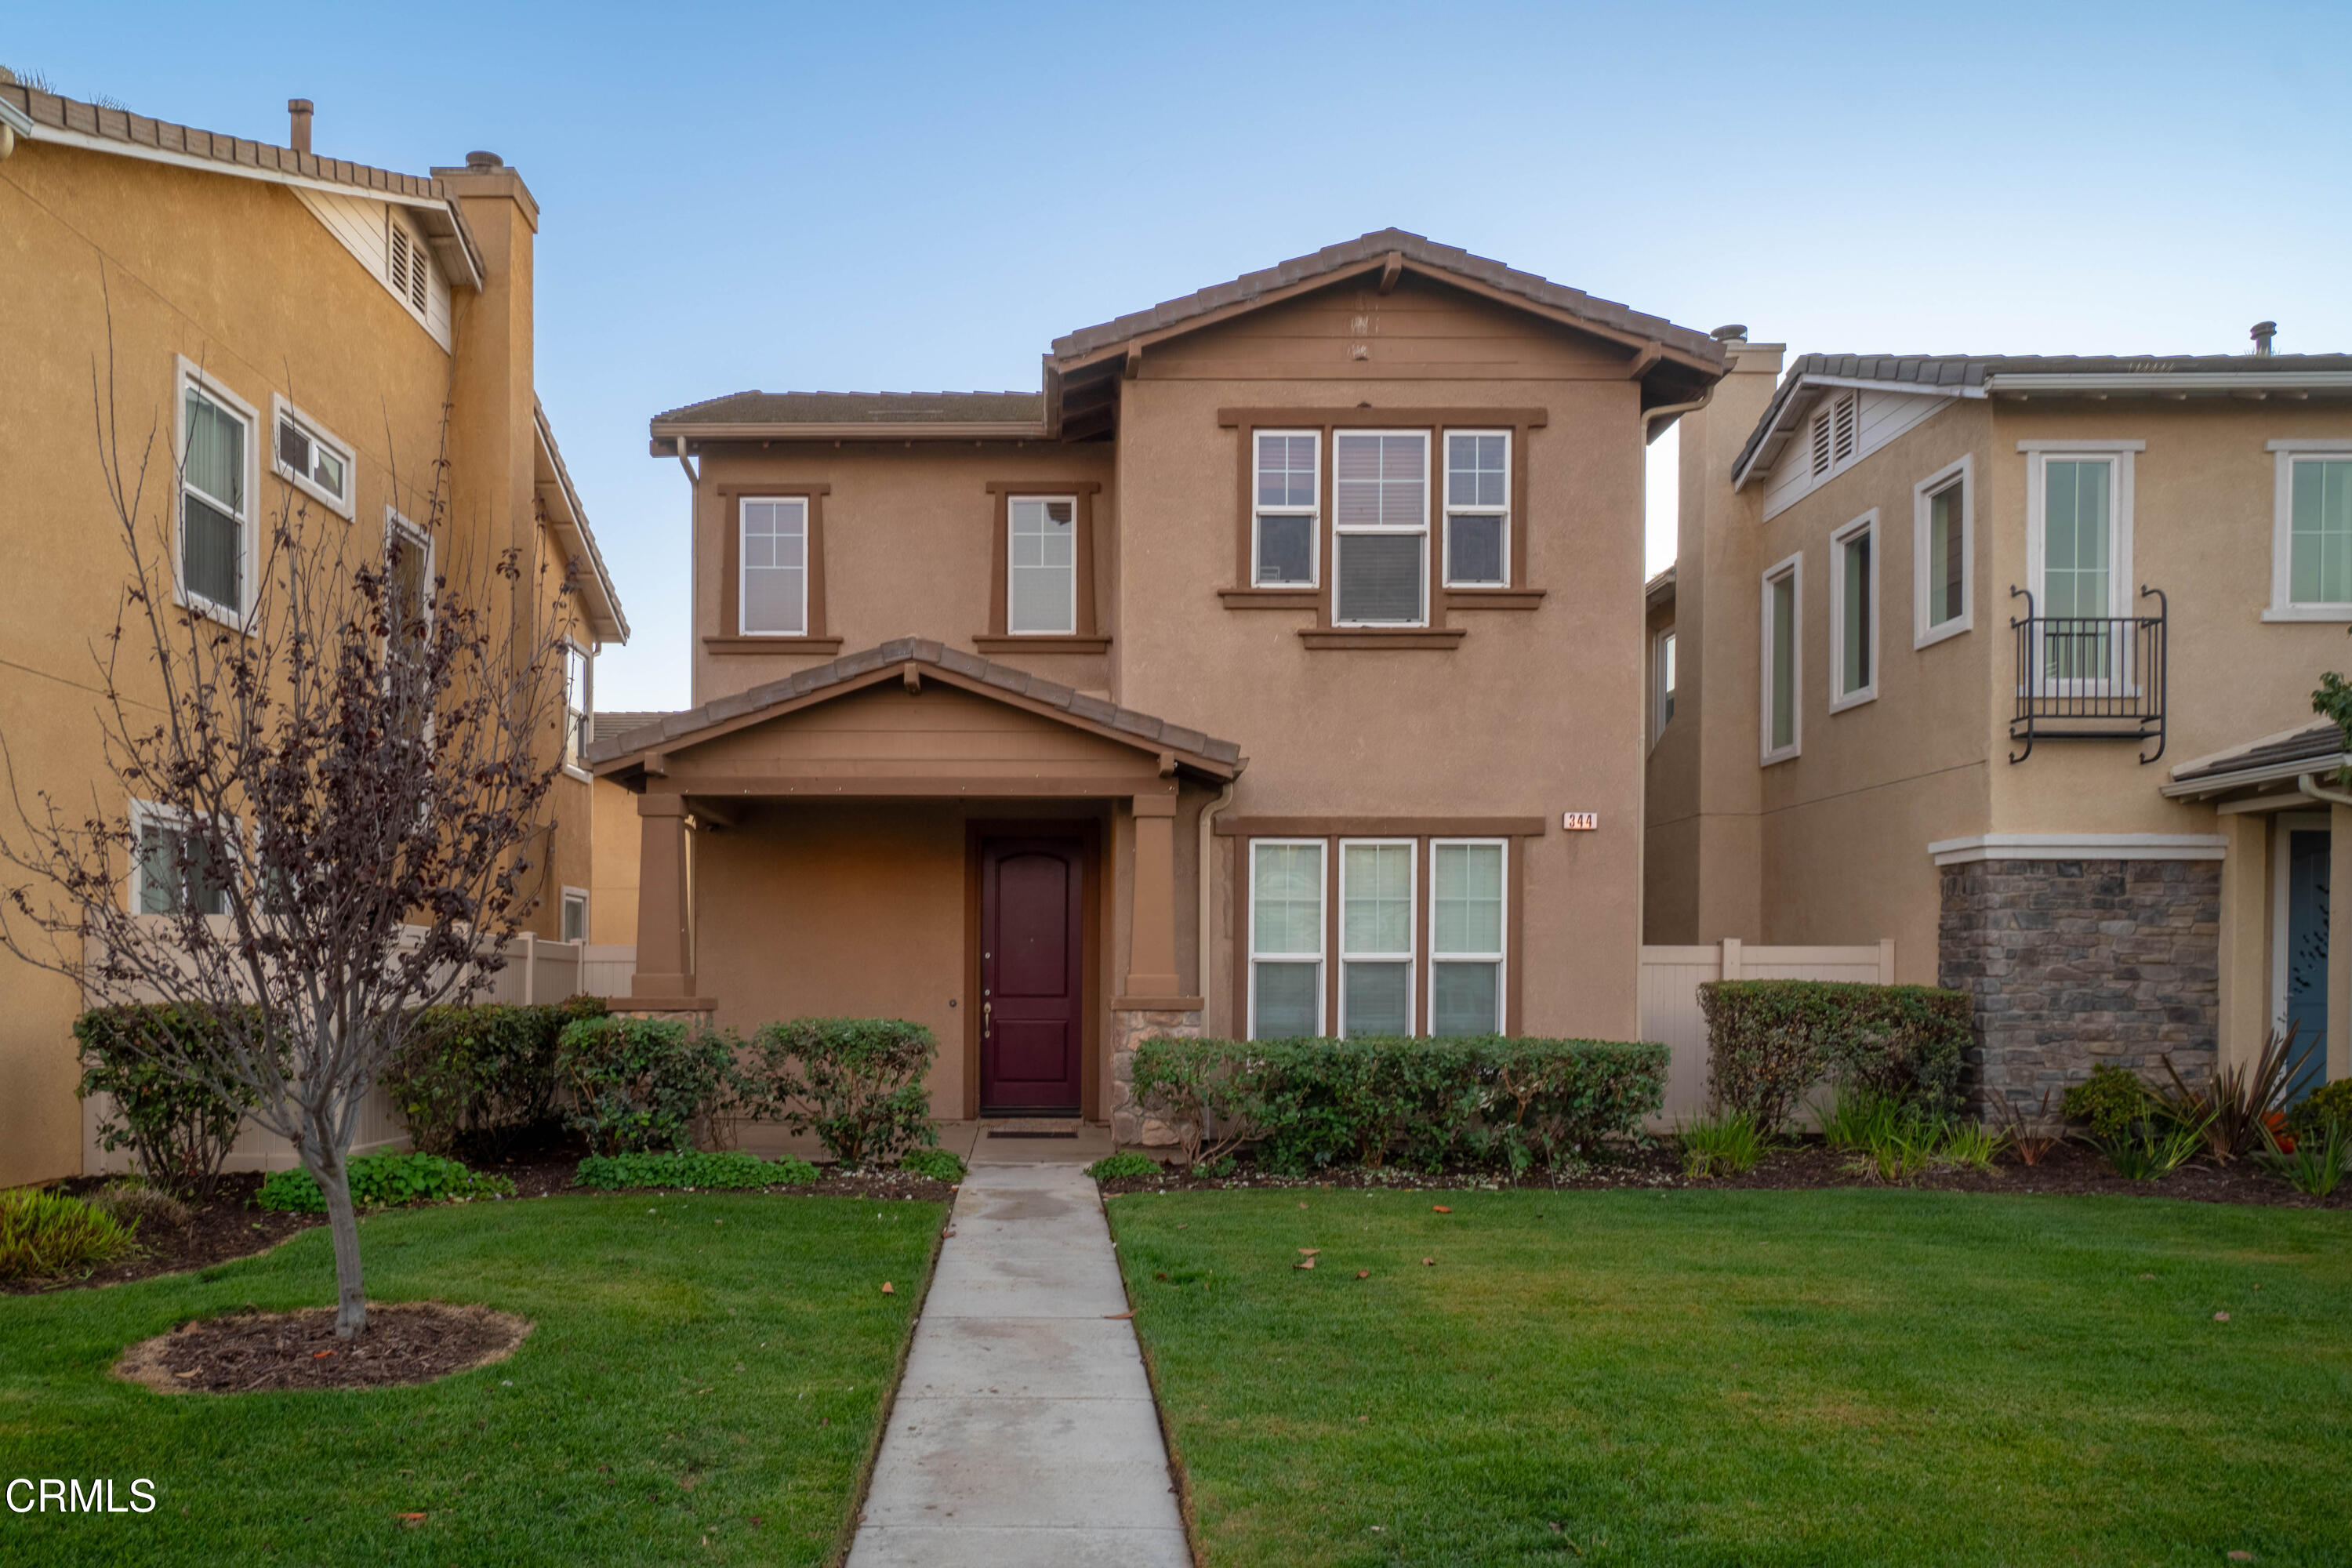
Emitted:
pixel 1671 977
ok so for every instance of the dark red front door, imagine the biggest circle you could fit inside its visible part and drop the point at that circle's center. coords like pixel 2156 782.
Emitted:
pixel 1031 970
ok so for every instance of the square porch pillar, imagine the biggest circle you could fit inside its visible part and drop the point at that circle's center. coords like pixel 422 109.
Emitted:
pixel 664 966
pixel 1148 1004
pixel 2245 978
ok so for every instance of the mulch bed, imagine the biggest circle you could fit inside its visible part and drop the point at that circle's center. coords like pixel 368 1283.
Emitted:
pixel 2067 1169
pixel 404 1343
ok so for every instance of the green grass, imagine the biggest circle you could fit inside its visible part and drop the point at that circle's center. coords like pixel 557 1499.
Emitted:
pixel 1749 1378
pixel 698 1361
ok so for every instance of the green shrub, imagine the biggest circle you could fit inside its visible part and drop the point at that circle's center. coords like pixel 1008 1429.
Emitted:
pixel 1770 1041
pixel 43 1234
pixel 1721 1145
pixel 1313 1104
pixel 473 1077
pixel 642 1084
pixel 381 1181
pixel 727 1169
pixel 2108 1102
pixel 857 1083
pixel 1127 1162
pixel 2318 1160
pixel 940 1164
pixel 2329 1105
pixel 133 1205
pixel 180 1131
pixel 2152 1148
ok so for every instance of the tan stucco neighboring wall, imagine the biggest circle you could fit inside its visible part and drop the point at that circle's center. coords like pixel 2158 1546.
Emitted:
pixel 613 891
pixel 1670 800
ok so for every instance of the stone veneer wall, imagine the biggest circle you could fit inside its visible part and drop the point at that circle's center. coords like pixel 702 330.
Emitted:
pixel 1129 1125
pixel 2082 963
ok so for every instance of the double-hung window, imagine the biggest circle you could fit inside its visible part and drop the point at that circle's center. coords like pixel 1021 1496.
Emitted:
pixel 1285 511
pixel 1285 938
pixel 2078 545
pixel 1477 508
pixel 1376 946
pixel 1942 534
pixel 1854 613
pixel 2311 539
pixel 575 926
pixel 1783 661
pixel 1380 527
pixel 773 571
pixel 1467 936
pixel 306 457
pixel 175 870
pixel 1041 593
pixel 576 676
pixel 217 463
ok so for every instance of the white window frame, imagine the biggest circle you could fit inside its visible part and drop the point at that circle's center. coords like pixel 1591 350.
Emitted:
pixel 1862 526
pixel 396 526
pixel 1428 484
pixel 145 814
pixel 2282 606
pixel 564 902
pixel 284 412
pixel 1451 511
pixel 1409 958
pixel 1500 957
pixel 192 375
pixel 743 567
pixel 1322 957
pixel 1010 628
pixel 575 756
pixel 1664 653
pixel 2120 593
pixel 1923 495
pixel 1793 568
pixel 1313 513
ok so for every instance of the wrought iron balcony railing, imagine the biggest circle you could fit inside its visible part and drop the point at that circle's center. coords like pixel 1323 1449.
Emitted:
pixel 2089 677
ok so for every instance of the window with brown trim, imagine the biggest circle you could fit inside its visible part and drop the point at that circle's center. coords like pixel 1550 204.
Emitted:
pixel 772 569
pixel 1042 592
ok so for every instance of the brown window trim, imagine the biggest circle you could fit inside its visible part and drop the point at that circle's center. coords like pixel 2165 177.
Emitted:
pixel 1246 422
pixel 731 638
pixel 1087 637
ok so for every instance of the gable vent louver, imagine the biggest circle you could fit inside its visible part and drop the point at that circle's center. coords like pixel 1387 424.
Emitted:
pixel 1832 434
pixel 1820 443
pixel 406 267
pixel 1843 422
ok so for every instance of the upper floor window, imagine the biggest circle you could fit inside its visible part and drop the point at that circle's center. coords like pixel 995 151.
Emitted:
pixel 773 571
pixel 408 566
pixel 1783 662
pixel 1285 938
pixel 1662 685
pixel 310 460
pixel 1942 536
pixel 216 477
pixel 1854 613
pixel 2078 554
pixel 2310 542
pixel 1376 946
pixel 1285 511
pixel 1380 527
pixel 576 676
pixel 1041 593
pixel 174 871
pixel 1477 508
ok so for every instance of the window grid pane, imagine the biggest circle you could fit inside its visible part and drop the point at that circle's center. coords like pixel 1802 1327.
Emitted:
pixel 1379 481
pixel 2076 536
pixel 1377 998
pixel 1784 661
pixel 1477 470
pixel 1465 999
pixel 1287 898
pixel 2321 554
pixel 1854 655
pixel 776 568
pixel 1946 572
pixel 1286 470
pixel 1288 999
pixel 1376 899
pixel 1467 907
pixel 1042 596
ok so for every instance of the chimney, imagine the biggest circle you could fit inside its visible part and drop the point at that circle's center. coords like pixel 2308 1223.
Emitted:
pixel 298 110
pixel 2263 332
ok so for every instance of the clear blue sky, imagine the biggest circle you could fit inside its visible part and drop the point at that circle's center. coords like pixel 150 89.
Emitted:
pixel 918 197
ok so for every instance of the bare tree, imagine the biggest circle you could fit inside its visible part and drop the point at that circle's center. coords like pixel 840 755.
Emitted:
pixel 339 799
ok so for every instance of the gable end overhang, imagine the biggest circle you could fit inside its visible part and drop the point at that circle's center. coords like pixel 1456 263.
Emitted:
pixel 1795 399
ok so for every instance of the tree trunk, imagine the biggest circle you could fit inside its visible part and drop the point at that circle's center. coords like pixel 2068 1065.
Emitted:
pixel 334 1179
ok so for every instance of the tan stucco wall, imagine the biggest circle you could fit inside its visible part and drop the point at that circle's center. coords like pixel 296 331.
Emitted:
pixel 613 893
pixel 1670 872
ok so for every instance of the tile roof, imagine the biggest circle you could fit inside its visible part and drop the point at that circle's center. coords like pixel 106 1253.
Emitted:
pixel 610 724
pixel 2320 741
pixel 681 728
pixel 861 409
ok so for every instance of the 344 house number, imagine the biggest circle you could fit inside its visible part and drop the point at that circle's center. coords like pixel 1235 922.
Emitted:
pixel 1579 821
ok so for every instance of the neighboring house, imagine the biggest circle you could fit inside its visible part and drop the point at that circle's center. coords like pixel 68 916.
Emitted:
pixel 1237 681
pixel 303 321
pixel 612 916
pixel 1992 656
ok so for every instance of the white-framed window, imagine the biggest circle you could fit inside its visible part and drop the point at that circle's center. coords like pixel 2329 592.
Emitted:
pixel 408 565
pixel 1854 613
pixel 1380 525
pixel 1467 935
pixel 1477 508
pixel 1662 684
pixel 1041 589
pixel 771 583
pixel 579 674
pixel 2311 532
pixel 1285 511
pixel 2078 512
pixel 171 868
pixel 575 919
pixel 1285 938
pixel 1943 543
pixel 1832 434
pixel 1376 945
pixel 1783 664
pixel 219 473
pixel 303 455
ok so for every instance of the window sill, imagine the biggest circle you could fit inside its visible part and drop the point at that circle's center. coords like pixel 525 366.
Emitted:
pixel 2336 612
pixel 1001 642
pixel 1439 638
pixel 1494 598
pixel 1854 700
pixel 1271 598
pixel 319 493
pixel 574 770
pixel 771 645
pixel 1943 633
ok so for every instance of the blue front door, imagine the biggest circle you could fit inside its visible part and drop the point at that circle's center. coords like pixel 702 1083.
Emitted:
pixel 2306 957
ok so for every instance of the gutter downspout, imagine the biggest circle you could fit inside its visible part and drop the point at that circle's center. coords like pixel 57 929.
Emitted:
pixel 1650 427
pixel 2308 785
pixel 691 476
pixel 1201 881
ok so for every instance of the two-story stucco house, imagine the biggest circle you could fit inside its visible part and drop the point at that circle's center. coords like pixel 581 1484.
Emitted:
pixel 1239 680
pixel 2011 659
pixel 260 326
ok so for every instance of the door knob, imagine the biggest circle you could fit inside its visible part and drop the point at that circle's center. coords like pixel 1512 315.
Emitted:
pixel 987 1016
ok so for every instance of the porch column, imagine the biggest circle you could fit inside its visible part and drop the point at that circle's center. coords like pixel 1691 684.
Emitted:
pixel 2245 972
pixel 665 968
pixel 2339 944
pixel 1152 933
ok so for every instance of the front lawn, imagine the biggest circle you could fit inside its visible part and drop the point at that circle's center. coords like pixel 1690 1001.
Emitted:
pixel 1748 1378
pixel 702 1386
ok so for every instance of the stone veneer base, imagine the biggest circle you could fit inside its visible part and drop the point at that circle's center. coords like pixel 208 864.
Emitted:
pixel 1129 1125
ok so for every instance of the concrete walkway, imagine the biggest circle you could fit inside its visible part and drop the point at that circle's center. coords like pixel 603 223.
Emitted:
pixel 1023 1432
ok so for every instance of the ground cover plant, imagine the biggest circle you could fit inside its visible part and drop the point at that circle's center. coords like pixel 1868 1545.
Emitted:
pixel 43 1234
pixel 1708 1378
pixel 701 1382
pixel 728 1168
pixel 381 1181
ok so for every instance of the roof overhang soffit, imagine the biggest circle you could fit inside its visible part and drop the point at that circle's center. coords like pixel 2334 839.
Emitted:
pixel 560 502
pixel 1795 400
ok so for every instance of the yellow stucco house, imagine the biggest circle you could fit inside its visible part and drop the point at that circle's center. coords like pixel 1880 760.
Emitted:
pixel 311 318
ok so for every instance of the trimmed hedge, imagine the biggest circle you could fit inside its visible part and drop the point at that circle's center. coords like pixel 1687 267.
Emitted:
pixel 1313 1104
pixel 1770 1041
pixel 474 1075
pixel 857 1083
pixel 379 1181
pixel 640 1085
pixel 730 1168
pixel 180 1131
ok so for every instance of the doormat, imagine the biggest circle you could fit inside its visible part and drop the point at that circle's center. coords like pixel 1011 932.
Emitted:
pixel 1027 1133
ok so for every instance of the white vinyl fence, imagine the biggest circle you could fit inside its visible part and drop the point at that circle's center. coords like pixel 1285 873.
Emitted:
pixel 1671 977
pixel 536 970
